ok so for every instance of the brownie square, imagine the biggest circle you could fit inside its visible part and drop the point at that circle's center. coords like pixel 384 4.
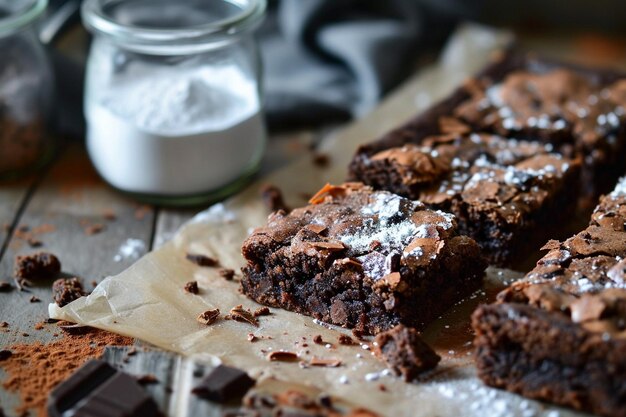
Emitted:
pixel 505 193
pixel 575 112
pixel 362 259
pixel 559 335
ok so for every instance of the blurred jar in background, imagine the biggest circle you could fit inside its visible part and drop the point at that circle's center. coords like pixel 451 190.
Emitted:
pixel 173 99
pixel 25 90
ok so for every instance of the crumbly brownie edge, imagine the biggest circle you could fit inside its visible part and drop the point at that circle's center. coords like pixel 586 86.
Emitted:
pixel 544 356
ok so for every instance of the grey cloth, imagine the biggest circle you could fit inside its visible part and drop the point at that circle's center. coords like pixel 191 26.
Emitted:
pixel 324 60
pixel 330 60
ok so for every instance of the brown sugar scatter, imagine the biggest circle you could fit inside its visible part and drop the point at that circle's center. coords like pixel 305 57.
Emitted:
pixel 147 379
pixel 321 159
pixel 282 356
pixel 345 340
pixel 35 369
pixel 39 265
pixel 34 299
pixel 209 316
pixel 192 287
pixel 5 354
pixel 329 363
pixel 405 352
pixel 5 286
pixel 94 229
pixel 66 290
pixel 273 198
pixel 227 274
pixel 240 314
pixel 201 260
pixel 262 311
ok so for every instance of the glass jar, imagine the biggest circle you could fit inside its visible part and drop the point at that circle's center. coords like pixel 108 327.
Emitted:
pixel 173 96
pixel 25 90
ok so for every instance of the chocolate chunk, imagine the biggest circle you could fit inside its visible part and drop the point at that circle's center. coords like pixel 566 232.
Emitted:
pixel 273 198
pixel 5 286
pixel 34 299
pixel 192 287
pixel 209 316
pixel 317 339
pixel 202 260
pixel 345 340
pixel 405 352
pixel 223 384
pixel 147 379
pixel 39 265
pixel 5 354
pixel 4 324
pixel 227 274
pixel 98 389
pixel 66 290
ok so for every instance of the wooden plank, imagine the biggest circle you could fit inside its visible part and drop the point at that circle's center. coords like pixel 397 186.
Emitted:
pixel 69 200
pixel 12 197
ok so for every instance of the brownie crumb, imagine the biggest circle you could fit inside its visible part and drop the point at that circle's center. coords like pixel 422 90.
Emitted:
pixel 4 324
pixel 5 354
pixel 34 243
pixel 317 339
pixel 5 286
pixel 282 356
pixel 227 274
pixel 94 229
pixel 209 316
pixel 405 352
pixel 201 260
pixel 34 299
pixel 321 159
pixel 147 379
pixel 252 338
pixel 345 340
pixel 37 266
pixel 39 326
pixel 325 401
pixel 358 334
pixel 66 290
pixel 273 198
pixel 25 334
pixel 109 215
pixel 240 314
pixel 192 287
pixel 262 311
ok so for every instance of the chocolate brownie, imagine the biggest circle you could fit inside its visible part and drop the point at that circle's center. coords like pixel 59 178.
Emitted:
pixel 504 192
pixel 559 335
pixel 361 259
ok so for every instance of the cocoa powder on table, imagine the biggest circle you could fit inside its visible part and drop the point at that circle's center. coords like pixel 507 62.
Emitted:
pixel 34 369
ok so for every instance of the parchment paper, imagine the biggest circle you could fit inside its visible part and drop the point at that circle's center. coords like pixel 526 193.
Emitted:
pixel 148 302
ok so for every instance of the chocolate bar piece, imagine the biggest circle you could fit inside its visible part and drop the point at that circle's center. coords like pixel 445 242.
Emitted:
pixel 223 384
pixel 99 390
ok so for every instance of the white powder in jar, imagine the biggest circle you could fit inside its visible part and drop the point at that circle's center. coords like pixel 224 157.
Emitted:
pixel 177 132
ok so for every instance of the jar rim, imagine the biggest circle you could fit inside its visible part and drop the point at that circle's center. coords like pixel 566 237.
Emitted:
pixel 22 18
pixel 98 21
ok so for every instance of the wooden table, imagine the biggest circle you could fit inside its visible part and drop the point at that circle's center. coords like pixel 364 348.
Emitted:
pixel 59 205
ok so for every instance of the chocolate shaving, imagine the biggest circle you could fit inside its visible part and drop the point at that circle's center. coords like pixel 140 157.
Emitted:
pixel 238 313
pixel 192 287
pixel 5 286
pixel 329 363
pixel 273 198
pixel 209 317
pixel 202 260
pixel 282 356
pixel 147 379
pixel 75 329
pixel 262 311
pixel 34 299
